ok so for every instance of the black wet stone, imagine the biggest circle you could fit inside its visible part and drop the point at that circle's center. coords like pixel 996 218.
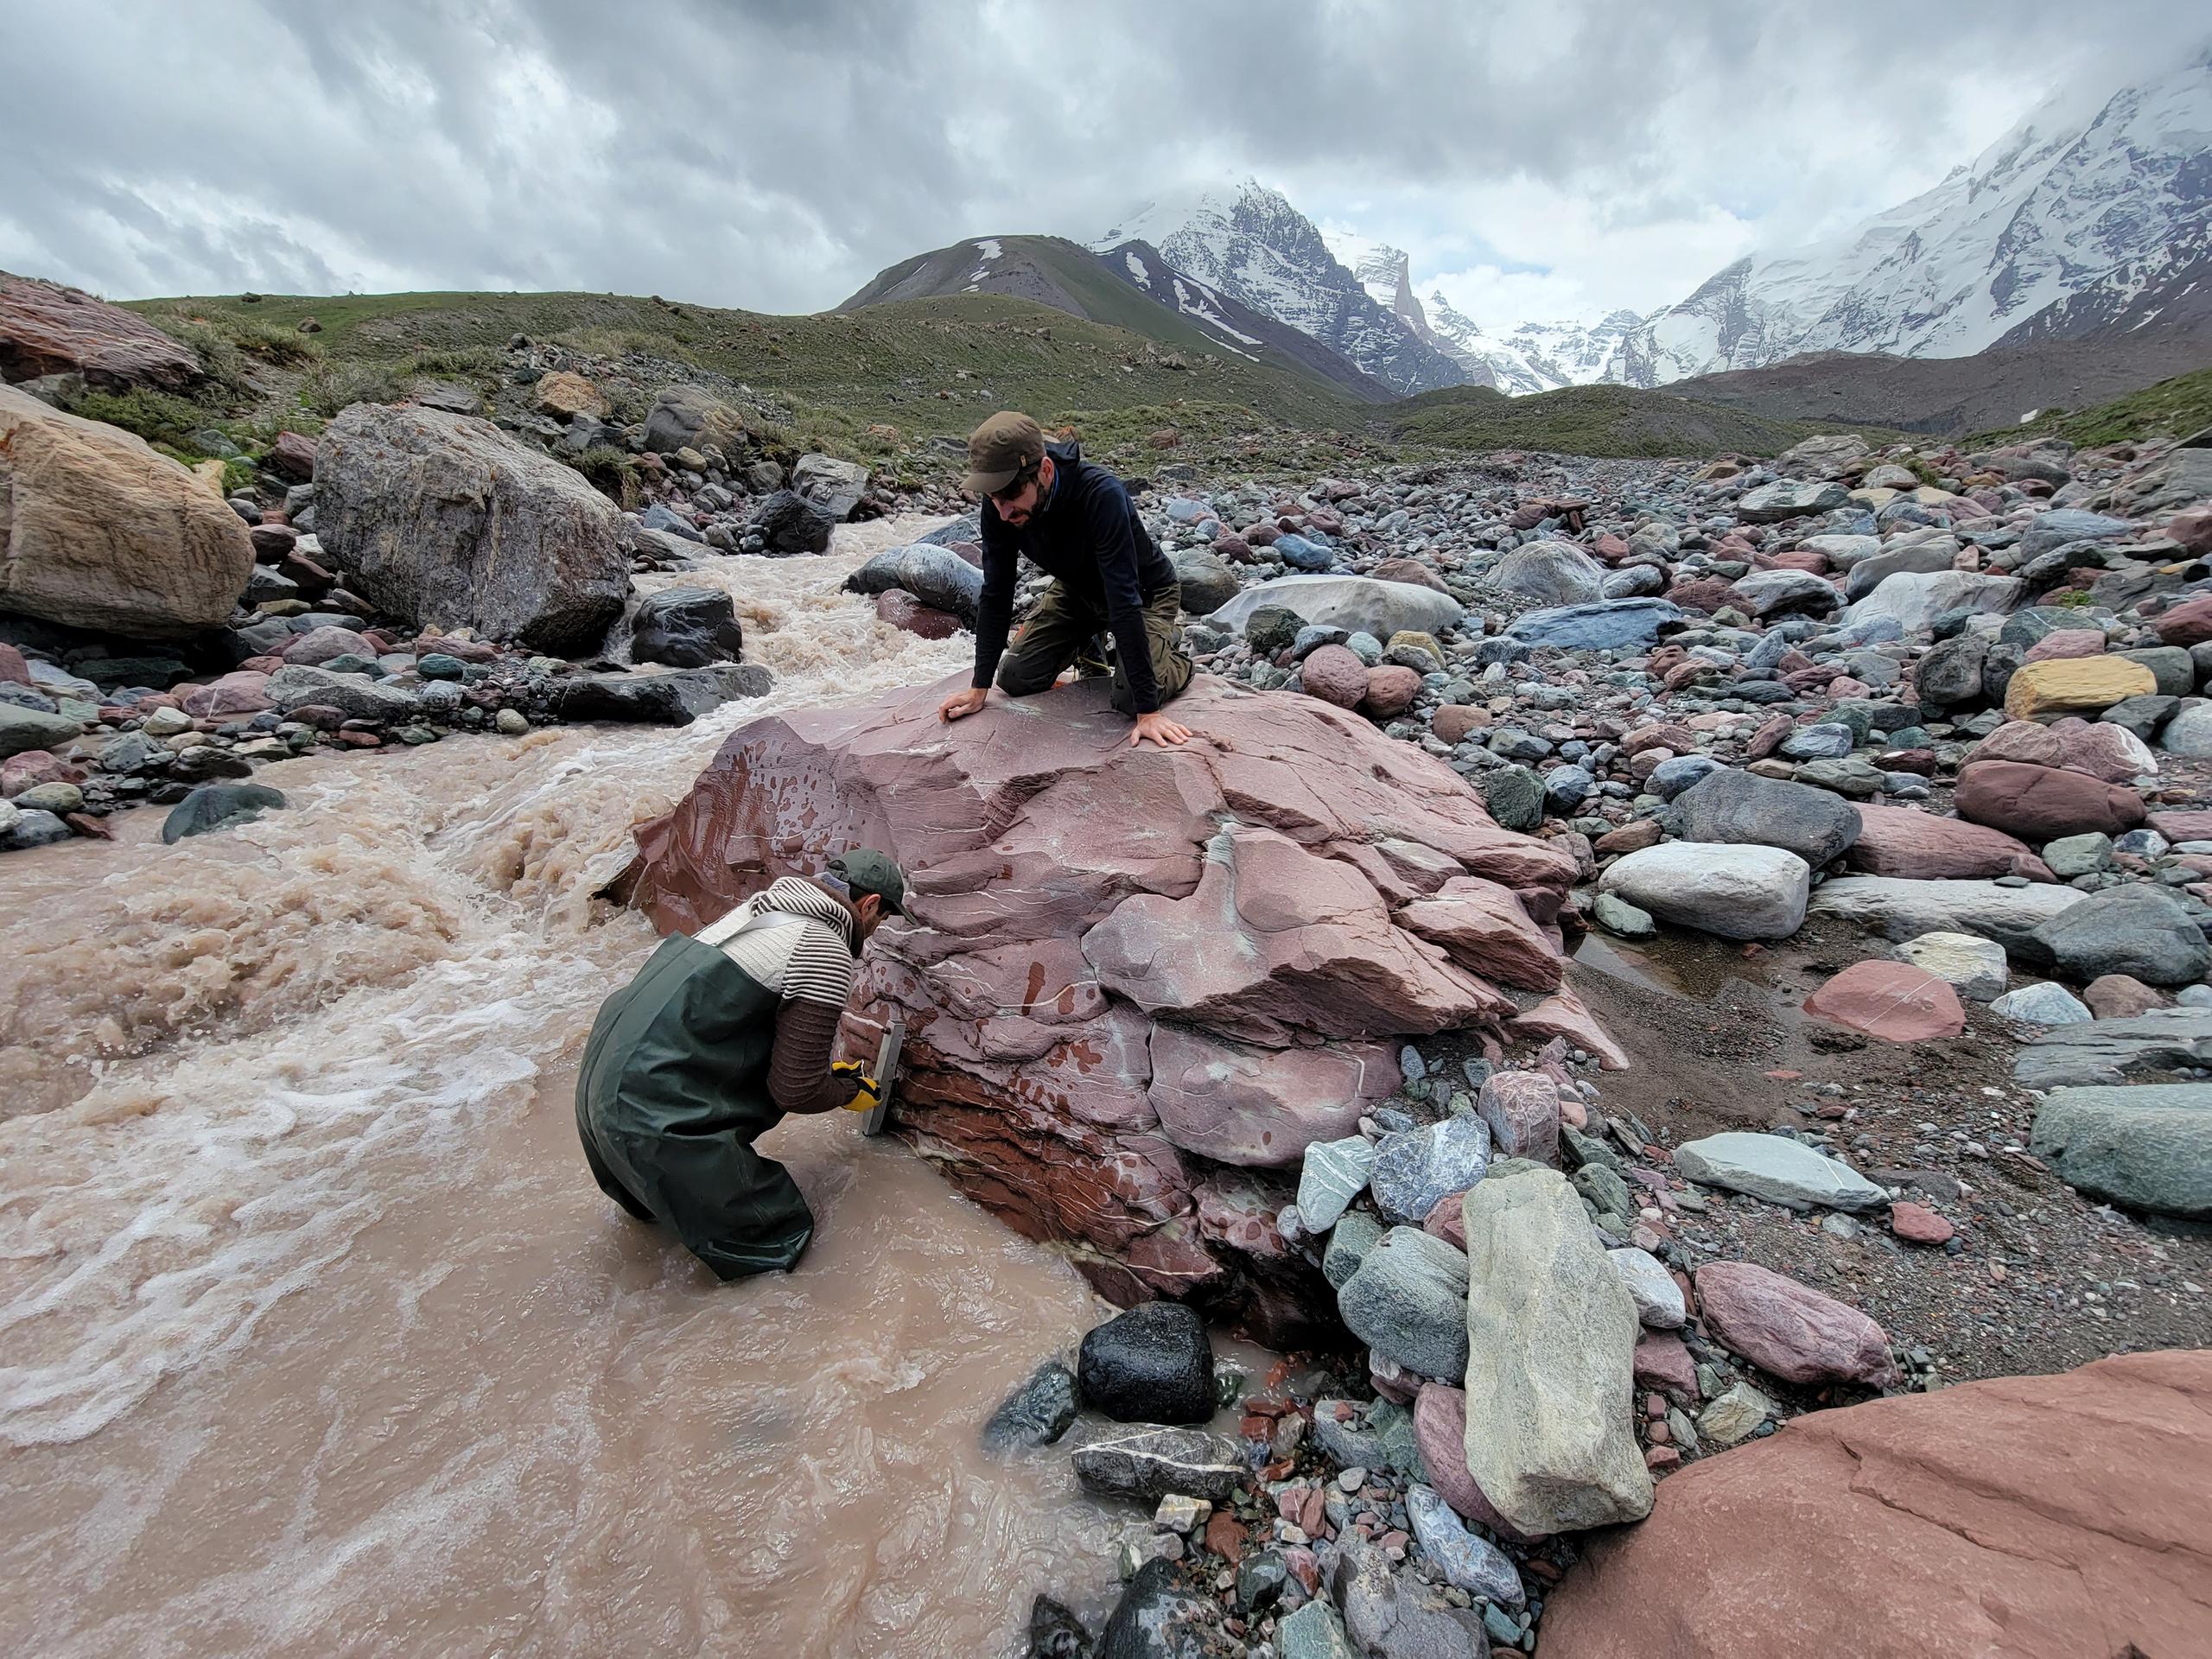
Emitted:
pixel 218 806
pixel 1036 1413
pixel 1151 1364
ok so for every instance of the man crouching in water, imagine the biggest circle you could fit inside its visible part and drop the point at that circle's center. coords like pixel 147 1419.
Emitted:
pixel 721 1033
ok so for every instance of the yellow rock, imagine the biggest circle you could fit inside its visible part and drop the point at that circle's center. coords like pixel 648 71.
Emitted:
pixel 98 529
pixel 2074 685
pixel 209 472
pixel 563 395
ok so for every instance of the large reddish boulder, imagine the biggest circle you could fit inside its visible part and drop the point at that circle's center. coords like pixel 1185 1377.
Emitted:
pixel 1903 841
pixel 1789 1330
pixel 2189 623
pixel 1412 572
pixel 902 610
pixel 242 691
pixel 1484 926
pixel 1131 978
pixel 2097 748
pixel 1893 1001
pixel 1335 675
pixel 46 328
pixel 2041 804
pixel 1440 1431
pixel 2035 1517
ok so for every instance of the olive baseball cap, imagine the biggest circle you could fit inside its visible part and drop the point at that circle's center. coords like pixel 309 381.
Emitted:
pixel 1001 448
pixel 865 870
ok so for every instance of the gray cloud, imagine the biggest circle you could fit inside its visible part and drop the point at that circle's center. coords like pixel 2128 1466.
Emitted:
pixel 775 154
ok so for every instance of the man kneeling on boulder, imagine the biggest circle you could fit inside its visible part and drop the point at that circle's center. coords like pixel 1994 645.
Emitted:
pixel 720 1035
pixel 1074 522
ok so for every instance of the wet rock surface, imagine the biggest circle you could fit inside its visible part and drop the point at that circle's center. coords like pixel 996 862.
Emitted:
pixel 1907 1521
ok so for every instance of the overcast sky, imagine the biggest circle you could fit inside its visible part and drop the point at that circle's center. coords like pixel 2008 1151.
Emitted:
pixel 1538 161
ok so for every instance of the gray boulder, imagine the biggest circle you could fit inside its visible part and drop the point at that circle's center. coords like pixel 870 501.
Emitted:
pixel 791 524
pixel 1899 909
pixel 1355 1234
pixel 1333 1174
pixel 1036 1413
pixel 1914 601
pixel 1609 625
pixel 299 685
pixel 218 806
pixel 1407 1302
pixel 1551 1344
pixel 2139 930
pixel 2062 526
pixel 1208 580
pixel 1740 808
pixel 1474 1564
pixel 1161 1616
pixel 1918 559
pixel 1951 671
pixel 1777 1169
pixel 1416 1170
pixel 1786 592
pixel 2147 1147
pixel 2044 1003
pixel 932 572
pixel 1356 604
pixel 23 729
pixel 834 485
pixel 687 417
pixel 1149 1463
pixel 446 521
pixel 686 627
pixel 1770 504
pixel 2092 1051
pixel 1733 892
pixel 676 698
pixel 1548 573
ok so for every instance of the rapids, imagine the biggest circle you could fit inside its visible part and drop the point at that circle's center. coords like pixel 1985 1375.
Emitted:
pixel 315 1336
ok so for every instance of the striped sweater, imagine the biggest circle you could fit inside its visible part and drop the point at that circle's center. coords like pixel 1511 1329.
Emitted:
pixel 794 939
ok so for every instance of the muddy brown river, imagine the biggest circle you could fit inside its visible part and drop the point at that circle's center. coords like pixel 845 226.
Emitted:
pixel 315 1336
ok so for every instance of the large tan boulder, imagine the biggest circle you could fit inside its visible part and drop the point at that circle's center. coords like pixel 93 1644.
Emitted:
pixel 46 328
pixel 445 520
pixel 97 531
pixel 2035 1517
pixel 2073 685
pixel 564 395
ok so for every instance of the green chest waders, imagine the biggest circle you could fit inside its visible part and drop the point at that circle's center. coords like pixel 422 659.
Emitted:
pixel 674 1089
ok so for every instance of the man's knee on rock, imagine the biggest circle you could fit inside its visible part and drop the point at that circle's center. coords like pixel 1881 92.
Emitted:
pixel 1017 680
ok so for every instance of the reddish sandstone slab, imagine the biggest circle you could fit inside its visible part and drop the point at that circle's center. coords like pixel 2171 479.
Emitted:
pixel 2041 804
pixel 1484 927
pixel 1790 1330
pixel 1903 841
pixel 46 328
pixel 1440 1430
pixel 1893 1001
pixel 2038 1517
pixel 1123 970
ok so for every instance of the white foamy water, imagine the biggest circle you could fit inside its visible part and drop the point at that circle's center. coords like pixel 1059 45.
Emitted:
pixel 315 1335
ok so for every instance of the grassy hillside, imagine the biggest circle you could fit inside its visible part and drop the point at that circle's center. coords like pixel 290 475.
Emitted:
pixel 898 383
pixel 1596 420
pixel 2172 408
pixel 924 369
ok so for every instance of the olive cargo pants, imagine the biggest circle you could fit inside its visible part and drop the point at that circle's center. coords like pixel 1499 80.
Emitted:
pixel 1061 628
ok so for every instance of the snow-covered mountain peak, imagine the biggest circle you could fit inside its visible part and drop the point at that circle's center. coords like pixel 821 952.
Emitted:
pixel 1250 243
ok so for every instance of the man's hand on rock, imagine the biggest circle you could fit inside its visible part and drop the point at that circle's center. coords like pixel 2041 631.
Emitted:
pixel 1160 729
pixel 961 704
